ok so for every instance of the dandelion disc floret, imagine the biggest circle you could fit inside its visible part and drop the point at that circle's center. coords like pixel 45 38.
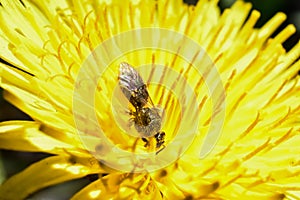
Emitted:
pixel 254 154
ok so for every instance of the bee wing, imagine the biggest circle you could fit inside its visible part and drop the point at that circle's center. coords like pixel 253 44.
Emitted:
pixel 131 83
pixel 129 79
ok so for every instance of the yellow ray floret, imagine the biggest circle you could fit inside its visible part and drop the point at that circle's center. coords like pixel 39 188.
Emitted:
pixel 45 45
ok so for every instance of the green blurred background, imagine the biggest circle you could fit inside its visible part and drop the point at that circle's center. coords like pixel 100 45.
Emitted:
pixel 16 161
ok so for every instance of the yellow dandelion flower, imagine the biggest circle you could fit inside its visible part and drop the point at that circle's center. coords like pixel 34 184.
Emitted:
pixel 225 94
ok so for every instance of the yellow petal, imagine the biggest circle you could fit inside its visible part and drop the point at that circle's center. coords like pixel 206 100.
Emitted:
pixel 120 186
pixel 95 190
pixel 26 136
pixel 47 172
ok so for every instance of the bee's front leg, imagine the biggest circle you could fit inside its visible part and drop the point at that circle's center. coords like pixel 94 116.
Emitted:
pixel 163 146
pixel 146 142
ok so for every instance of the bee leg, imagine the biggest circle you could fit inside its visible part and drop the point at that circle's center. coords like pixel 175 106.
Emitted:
pixel 130 122
pixel 163 146
pixel 146 142
pixel 129 112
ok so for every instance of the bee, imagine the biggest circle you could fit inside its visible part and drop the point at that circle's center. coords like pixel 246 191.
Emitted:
pixel 145 116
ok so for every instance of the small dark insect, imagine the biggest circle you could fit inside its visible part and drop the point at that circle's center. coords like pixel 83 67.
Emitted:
pixel 146 118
